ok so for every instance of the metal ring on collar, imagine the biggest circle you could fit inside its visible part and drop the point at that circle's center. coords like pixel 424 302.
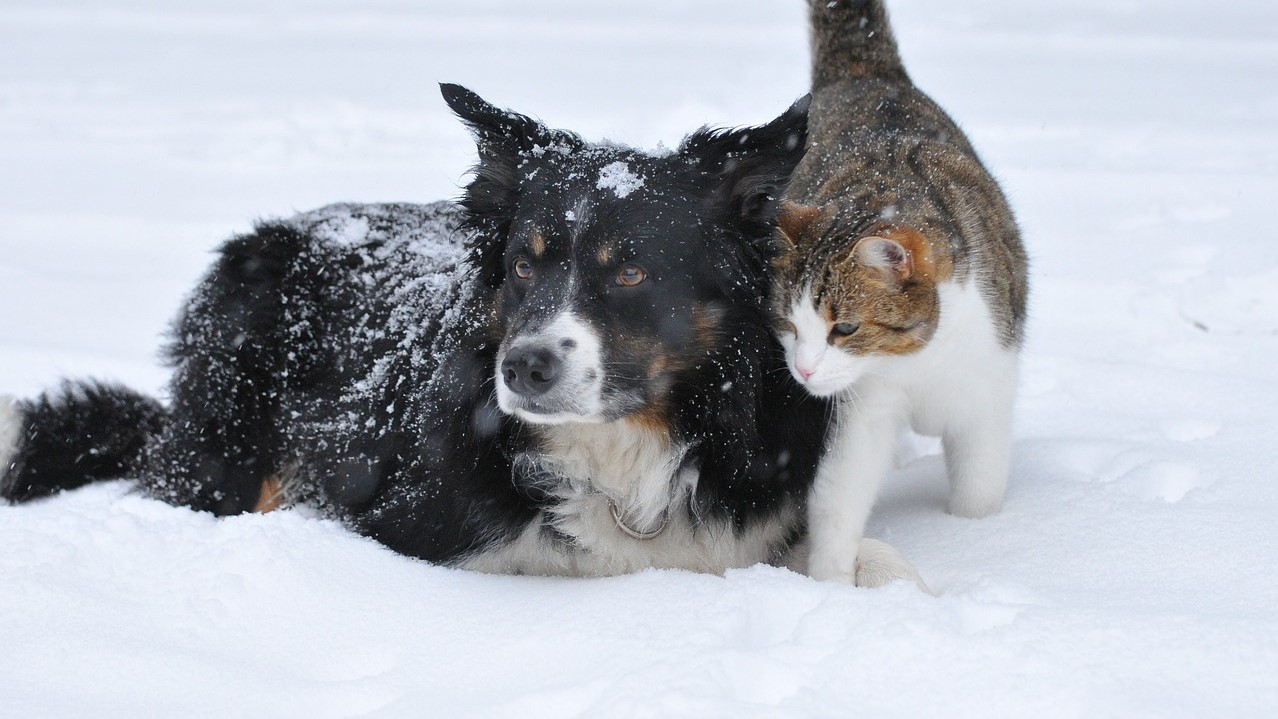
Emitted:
pixel 632 532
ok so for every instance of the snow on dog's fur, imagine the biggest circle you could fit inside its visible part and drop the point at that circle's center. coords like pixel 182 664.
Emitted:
pixel 10 431
pixel 569 373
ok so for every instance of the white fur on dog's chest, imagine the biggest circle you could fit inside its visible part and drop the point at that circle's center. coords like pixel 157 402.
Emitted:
pixel 629 464
pixel 602 466
pixel 641 474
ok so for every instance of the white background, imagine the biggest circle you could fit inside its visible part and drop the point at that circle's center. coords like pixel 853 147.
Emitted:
pixel 1134 571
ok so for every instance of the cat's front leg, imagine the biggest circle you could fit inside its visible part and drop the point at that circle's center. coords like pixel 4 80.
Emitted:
pixel 978 445
pixel 859 456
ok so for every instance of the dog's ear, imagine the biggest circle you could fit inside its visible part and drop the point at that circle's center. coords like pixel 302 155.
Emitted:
pixel 751 166
pixel 506 141
pixel 501 135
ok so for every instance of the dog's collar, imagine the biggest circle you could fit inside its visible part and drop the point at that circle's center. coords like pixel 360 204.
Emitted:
pixel 635 533
pixel 538 479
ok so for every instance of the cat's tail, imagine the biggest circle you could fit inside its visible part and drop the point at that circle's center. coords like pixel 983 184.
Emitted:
pixel 81 432
pixel 852 38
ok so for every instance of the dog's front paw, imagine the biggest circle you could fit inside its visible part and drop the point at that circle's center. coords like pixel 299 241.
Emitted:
pixel 878 564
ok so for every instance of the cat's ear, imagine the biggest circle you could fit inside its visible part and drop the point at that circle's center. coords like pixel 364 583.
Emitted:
pixel 750 167
pixel 793 221
pixel 890 260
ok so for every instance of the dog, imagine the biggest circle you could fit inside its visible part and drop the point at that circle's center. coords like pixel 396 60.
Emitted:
pixel 569 372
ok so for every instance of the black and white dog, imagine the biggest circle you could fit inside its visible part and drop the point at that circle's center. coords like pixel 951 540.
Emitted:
pixel 572 373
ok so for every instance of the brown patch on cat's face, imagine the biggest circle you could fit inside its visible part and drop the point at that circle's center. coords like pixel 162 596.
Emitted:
pixel 877 293
pixel 794 221
pixel 884 288
pixel 919 262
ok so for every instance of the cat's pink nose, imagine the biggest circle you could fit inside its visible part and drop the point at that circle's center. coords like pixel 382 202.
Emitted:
pixel 805 373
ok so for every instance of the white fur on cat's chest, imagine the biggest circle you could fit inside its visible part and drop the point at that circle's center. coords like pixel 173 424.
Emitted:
pixel 950 379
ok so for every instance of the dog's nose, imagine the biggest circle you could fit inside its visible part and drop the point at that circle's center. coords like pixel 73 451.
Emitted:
pixel 530 371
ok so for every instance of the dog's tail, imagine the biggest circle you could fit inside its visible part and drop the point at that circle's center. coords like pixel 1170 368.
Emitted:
pixel 852 38
pixel 81 432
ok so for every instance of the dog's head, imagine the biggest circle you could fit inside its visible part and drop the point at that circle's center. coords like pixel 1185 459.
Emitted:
pixel 615 271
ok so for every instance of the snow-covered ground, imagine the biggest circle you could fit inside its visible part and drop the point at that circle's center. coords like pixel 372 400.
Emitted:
pixel 1133 573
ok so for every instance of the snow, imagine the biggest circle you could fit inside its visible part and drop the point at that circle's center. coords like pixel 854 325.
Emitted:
pixel 1133 572
pixel 619 178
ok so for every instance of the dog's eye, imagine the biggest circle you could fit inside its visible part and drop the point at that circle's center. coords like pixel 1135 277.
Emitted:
pixel 844 329
pixel 522 268
pixel 631 275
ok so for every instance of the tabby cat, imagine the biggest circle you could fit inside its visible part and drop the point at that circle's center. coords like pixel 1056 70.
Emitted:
pixel 902 286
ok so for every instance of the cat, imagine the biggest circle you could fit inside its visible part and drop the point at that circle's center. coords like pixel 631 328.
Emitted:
pixel 902 286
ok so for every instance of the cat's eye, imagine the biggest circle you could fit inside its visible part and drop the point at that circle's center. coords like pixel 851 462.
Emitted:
pixel 522 268
pixel 908 328
pixel 631 275
pixel 844 329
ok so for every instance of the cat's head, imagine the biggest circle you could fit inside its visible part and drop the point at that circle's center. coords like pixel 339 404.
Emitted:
pixel 851 295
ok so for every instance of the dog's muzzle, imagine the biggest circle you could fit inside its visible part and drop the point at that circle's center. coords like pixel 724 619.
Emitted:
pixel 552 375
pixel 530 371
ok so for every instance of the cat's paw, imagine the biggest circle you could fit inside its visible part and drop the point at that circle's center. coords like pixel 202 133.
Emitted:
pixel 973 505
pixel 832 569
pixel 878 564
